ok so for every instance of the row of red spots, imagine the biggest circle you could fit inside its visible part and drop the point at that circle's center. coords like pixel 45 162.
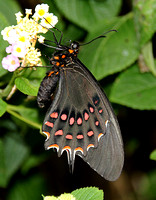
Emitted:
pixel 50 124
pixel 96 102
pixel 71 121
pixel 100 111
pixel 59 132
pixel 90 133
pixel 64 117
pixel 97 123
pixel 79 137
pixel 79 121
pixel 91 109
pixel 86 116
pixel 54 115
pixel 69 137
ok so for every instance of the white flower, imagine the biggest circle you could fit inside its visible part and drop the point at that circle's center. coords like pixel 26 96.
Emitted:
pixel 49 20
pixel 23 37
pixel 19 50
pixel 41 39
pixel 41 10
pixel 28 11
pixel 9 34
pixel 11 63
pixel 18 16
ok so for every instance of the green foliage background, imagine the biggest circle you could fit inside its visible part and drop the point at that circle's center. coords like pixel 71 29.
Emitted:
pixel 124 64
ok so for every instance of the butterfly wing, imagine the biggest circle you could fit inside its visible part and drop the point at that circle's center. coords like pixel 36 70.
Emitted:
pixel 80 121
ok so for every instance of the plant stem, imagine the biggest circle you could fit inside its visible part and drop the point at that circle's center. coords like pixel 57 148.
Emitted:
pixel 35 125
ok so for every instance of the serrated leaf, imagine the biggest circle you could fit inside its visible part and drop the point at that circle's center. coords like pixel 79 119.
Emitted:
pixel 144 18
pixel 89 12
pixel 153 155
pixel 88 193
pixel 3 107
pixel 26 87
pixel 135 89
pixel 112 54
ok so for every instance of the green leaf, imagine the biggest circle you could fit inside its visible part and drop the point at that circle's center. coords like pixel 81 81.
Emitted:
pixel 33 161
pixel 88 193
pixel 13 152
pixel 147 52
pixel 3 107
pixel 89 12
pixel 26 87
pixel 145 18
pixel 3 176
pixel 29 188
pixel 153 155
pixel 8 8
pixel 112 54
pixel 135 89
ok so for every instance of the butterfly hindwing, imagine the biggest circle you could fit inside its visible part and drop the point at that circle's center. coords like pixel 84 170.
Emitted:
pixel 80 121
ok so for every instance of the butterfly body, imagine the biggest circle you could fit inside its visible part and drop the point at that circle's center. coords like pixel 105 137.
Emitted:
pixel 80 119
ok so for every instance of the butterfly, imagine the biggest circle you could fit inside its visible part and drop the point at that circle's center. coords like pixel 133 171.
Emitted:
pixel 80 119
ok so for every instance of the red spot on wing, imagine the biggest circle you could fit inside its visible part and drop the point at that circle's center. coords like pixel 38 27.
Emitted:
pixel 59 132
pixel 63 117
pixel 54 115
pixel 79 121
pixel 90 133
pixel 71 121
pixel 50 124
pixel 79 137
pixel 100 111
pixel 97 123
pixel 91 109
pixel 96 101
pixel 86 116
pixel 69 137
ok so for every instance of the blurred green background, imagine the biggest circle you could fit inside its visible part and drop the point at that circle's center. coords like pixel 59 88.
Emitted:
pixel 124 64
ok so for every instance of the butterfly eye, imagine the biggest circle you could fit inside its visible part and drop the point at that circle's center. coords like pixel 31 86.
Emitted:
pixel 74 45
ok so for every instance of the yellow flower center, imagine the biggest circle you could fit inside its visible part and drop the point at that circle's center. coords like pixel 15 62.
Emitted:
pixel 22 39
pixel 41 12
pixel 18 49
pixel 48 20
pixel 13 62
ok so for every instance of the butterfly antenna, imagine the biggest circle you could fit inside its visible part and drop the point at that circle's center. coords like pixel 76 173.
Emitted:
pixel 58 43
pixel 101 36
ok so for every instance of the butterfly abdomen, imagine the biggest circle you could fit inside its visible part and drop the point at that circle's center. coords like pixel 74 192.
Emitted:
pixel 47 88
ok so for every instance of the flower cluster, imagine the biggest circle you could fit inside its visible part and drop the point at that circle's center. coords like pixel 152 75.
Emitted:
pixel 22 37
pixel 61 197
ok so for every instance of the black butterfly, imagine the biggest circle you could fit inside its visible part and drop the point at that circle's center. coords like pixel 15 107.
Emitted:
pixel 80 119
